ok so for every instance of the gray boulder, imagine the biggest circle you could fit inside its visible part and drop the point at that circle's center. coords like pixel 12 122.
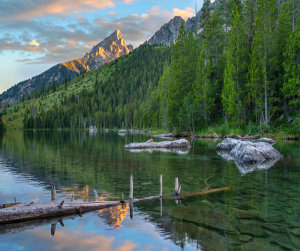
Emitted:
pixel 248 156
pixel 249 152
pixel 227 144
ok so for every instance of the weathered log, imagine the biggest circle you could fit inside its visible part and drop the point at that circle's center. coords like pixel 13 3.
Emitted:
pixel 187 194
pixel 24 212
pixel 175 144
pixel 18 212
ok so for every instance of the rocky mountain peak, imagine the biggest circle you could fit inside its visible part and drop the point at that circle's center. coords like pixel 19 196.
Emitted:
pixel 115 42
pixel 109 49
pixel 167 34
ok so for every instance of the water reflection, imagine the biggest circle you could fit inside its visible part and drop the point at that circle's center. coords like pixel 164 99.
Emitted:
pixel 261 212
pixel 245 168
pixel 114 216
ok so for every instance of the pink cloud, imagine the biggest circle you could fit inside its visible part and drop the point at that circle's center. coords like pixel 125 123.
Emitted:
pixel 185 14
pixel 61 7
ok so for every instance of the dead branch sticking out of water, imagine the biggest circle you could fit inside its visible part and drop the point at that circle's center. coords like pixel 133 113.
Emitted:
pixel 20 212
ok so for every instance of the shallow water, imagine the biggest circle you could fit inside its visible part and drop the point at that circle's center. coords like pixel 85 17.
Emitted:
pixel 261 212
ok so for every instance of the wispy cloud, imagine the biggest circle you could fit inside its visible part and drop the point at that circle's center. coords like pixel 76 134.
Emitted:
pixel 55 40
pixel 26 9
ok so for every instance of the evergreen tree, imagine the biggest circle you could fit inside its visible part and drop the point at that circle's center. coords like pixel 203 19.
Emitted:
pixel 291 86
pixel 203 92
pixel 184 57
pixel 234 72
pixel 261 56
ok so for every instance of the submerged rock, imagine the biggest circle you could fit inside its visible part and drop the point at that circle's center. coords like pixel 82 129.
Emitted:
pixel 181 143
pixel 248 156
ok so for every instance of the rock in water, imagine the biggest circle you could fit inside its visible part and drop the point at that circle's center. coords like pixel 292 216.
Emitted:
pixel 248 156
pixel 248 152
pixel 227 144
pixel 181 143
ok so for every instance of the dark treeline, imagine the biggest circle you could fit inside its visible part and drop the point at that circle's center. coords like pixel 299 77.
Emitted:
pixel 115 102
pixel 240 69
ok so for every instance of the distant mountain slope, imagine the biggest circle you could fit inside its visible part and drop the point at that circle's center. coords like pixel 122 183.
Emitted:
pixel 107 96
pixel 167 34
pixel 109 49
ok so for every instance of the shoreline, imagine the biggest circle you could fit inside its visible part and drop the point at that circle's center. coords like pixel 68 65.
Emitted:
pixel 160 133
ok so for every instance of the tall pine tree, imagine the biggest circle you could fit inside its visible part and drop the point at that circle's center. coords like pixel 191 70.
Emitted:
pixel 235 72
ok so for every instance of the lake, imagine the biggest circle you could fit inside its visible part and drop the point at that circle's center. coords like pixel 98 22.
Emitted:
pixel 260 212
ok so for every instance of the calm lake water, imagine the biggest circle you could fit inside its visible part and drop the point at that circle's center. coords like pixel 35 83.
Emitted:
pixel 260 212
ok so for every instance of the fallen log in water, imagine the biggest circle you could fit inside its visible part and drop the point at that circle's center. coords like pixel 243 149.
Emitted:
pixel 180 143
pixel 25 212
pixel 20 212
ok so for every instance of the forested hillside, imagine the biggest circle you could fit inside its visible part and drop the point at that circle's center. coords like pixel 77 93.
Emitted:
pixel 240 71
pixel 117 101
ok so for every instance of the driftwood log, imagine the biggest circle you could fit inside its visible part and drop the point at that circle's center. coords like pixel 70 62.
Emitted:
pixel 21 212
pixel 175 144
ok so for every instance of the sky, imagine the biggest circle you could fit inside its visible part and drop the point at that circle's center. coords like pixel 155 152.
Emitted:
pixel 37 34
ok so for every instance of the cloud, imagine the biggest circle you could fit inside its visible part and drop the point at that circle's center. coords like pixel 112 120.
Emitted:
pixel 53 41
pixel 11 45
pixel 34 43
pixel 185 14
pixel 129 1
pixel 27 9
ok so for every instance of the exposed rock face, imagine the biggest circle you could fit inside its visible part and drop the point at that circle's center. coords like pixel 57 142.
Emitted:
pixel 167 34
pixel 181 143
pixel 259 154
pixel 109 49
